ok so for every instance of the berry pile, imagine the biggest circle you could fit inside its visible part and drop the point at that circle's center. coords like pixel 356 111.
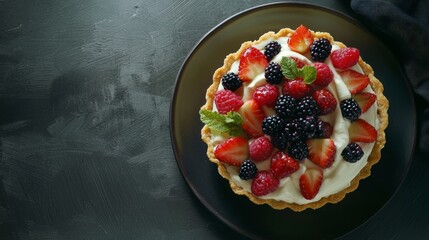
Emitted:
pixel 282 118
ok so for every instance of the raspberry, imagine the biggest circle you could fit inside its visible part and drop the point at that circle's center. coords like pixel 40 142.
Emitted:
pixel 273 125
pixel 299 63
pixel 283 165
pixel 298 150
pixel 260 149
pixel 320 49
pixel 264 183
pixel 344 58
pixel 248 170
pixel 352 152
pixel 350 109
pixel 285 106
pixel 231 81
pixel 266 95
pixel 227 101
pixel 296 88
pixel 273 73
pixel 272 49
pixel 323 129
pixel 308 126
pixel 306 107
pixel 326 102
pixel 280 140
pixel 324 75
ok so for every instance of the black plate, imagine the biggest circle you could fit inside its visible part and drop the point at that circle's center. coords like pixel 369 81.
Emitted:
pixel 238 212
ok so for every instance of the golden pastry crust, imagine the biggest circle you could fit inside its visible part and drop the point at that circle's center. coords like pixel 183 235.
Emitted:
pixel 374 157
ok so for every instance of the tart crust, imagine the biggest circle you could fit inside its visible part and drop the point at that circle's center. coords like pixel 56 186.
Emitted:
pixel 374 157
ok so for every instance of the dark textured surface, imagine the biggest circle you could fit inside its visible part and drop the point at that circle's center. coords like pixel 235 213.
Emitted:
pixel 85 151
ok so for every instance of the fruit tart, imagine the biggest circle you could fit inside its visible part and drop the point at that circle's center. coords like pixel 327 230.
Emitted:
pixel 294 119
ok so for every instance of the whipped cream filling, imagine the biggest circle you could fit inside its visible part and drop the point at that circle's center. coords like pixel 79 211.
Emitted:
pixel 341 173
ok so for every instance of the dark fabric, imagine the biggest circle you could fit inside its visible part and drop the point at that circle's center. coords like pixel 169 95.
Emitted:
pixel 407 23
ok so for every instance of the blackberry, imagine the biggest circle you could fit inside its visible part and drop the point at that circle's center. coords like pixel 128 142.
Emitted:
pixel 285 106
pixel 323 129
pixel 298 150
pixel 294 131
pixel 231 81
pixel 350 109
pixel 308 125
pixel 272 125
pixel 320 49
pixel 352 152
pixel 307 106
pixel 273 73
pixel 272 49
pixel 248 170
pixel 280 140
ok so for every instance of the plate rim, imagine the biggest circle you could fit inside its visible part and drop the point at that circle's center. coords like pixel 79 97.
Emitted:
pixel 245 12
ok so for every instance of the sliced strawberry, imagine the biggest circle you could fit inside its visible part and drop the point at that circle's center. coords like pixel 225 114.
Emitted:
pixel 361 131
pixel 365 100
pixel 252 63
pixel 232 151
pixel 300 40
pixel 321 151
pixel 253 116
pixel 283 165
pixel 310 182
pixel 356 82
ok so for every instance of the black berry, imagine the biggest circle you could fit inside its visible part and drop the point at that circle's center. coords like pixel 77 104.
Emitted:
pixel 285 106
pixel 294 131
pixel 298 150
pixel 272 49
pixel 231 81
pixel 273 125
pixel 308 125
pixel 320 49
pixel 323 129
pixel 248 170
pixel 273 73
pixel 307 106
pixel 350 109
pixel 280 140
pixel 352 152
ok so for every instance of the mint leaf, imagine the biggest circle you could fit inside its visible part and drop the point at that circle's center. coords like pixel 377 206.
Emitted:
pixel 289 68
pixel 308 73
pixel 229 123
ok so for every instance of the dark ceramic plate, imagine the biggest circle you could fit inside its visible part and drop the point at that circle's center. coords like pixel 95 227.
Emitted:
pixel 238 212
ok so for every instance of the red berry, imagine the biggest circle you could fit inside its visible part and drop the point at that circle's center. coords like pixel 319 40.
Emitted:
pixel 299 63
pixel 252 63
pixel 321 151
pixel 296 88
pixel 310 182
pixel 232 151
pixel 227 101
pixel 264 183
pixel 260 149
pixel 283 165
pixel 361 131
pixel 324 75
pixel 325 101
pixel 266 95
pixel 300 40
pixel 344 58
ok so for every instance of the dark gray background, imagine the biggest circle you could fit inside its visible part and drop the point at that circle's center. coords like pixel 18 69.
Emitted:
pixel 85 151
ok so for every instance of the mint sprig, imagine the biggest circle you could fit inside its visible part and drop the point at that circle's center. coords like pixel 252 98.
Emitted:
pixel 291 71
pixel 229 123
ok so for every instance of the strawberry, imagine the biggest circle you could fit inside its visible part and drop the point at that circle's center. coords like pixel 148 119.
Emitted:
pixel 232 151
pixel 324 75
pixel 299 63
pixel 310 182
pixel 296 88
pixel 260 149
pixel 266 95
pixel 283 165
pixel 361 131
pixel 252 63
pixel 321 151
pixel 325 101
pixel 344 58
pixel 356 82
pixel 365 100
pixel 264 183
pixel 253 116
pixel 300 40
pixel 226 101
